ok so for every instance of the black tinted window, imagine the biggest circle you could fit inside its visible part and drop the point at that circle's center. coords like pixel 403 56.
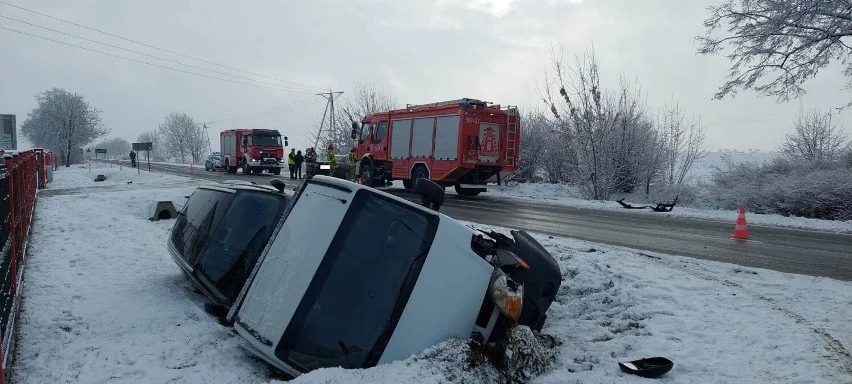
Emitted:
pixel 357 295
pixel 238 240
pixel 202 211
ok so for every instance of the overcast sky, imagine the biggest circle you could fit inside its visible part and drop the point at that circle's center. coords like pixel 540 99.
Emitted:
pixel 418 51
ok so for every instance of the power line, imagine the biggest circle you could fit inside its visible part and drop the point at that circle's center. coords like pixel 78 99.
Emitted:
pixel 155 57
pixel 144 62
pixel 269 112
pixel 154 47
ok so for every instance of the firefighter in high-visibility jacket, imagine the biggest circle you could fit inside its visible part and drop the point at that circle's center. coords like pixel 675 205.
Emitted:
pixel 353 160
pixel 332 161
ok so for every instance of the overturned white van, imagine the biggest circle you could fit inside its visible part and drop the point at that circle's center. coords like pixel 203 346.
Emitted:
pixel 353 277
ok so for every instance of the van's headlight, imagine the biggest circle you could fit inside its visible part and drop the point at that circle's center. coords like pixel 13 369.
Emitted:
pixel 507 295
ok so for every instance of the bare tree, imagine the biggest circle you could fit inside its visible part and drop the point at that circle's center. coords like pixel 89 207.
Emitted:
pixel 683 141
pixel 365 99
pixel 608 136
pixel 152 137
pixel 63 122
pixel 815 137
pixel 787 41
pixel 182 138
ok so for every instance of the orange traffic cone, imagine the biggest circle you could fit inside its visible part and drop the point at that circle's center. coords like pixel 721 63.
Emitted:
pixel 740 230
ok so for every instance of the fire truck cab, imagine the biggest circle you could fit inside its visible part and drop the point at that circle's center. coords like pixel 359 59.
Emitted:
pixel 252 150
pixel 463 143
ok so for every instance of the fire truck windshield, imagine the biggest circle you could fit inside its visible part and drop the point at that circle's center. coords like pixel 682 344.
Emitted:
pixel 266 141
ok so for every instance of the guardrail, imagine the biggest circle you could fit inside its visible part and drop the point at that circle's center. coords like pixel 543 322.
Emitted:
pixel 21 175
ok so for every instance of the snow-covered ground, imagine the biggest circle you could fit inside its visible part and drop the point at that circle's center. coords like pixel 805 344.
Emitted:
pixel 104 302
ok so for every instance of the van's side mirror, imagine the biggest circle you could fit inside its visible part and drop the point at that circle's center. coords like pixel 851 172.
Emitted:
pixel 286 143
pixel 354 131
pixel 431 194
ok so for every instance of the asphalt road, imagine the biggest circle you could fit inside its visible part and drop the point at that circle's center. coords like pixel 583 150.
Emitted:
pixel 786 250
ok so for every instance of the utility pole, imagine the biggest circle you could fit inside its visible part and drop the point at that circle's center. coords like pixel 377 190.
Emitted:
pixel 329 109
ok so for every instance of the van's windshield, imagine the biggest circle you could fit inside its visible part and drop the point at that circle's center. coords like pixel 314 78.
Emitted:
pixel 363 283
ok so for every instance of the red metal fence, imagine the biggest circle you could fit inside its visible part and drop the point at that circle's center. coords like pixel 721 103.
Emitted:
pixel 21 175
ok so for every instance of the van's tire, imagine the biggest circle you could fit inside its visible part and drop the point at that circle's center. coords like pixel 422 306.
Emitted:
pixel 467 192
pixel 246 169
pixel 366 174
pixel 408 184
pixel 430 191
pixel 419 172
pixel 275 171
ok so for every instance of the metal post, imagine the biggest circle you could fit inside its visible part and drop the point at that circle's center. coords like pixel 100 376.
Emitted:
pixel 148 156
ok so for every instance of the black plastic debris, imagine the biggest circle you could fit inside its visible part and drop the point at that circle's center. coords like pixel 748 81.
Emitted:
pixel 651 367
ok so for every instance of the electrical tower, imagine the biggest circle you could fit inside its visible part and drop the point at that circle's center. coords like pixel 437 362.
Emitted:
pixel 207 136
pixel 329 110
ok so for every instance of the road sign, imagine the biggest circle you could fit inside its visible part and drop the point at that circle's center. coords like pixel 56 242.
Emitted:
pixel 143 146
pixel 100 150
pixel 8 133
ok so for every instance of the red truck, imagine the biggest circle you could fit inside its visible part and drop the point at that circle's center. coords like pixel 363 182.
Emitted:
pixel 252 150
pixel 463 143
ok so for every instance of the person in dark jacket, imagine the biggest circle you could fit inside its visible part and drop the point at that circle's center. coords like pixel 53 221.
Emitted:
pixel 299 160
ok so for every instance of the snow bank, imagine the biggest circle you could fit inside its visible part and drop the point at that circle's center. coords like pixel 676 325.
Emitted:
pixel 103 300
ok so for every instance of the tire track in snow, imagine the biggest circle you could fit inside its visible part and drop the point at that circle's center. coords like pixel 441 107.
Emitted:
pixel 835 351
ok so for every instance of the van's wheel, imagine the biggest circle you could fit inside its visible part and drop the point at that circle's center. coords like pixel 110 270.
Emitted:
pixel 275 171
pixel 408 184
pixel 366 174
pixel 246 168
pixel 419 172
pixel 465 191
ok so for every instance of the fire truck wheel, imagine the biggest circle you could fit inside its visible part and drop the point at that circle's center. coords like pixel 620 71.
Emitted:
pixel 465 191
pixel 366 174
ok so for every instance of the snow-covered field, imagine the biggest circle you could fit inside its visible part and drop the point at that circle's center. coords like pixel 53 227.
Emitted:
pixel 104 302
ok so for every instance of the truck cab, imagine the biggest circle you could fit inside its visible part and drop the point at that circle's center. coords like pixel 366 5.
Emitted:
pixel 253 150
pixel 380 278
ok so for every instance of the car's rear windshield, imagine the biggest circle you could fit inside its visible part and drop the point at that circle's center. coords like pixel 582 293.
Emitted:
pixel 363 283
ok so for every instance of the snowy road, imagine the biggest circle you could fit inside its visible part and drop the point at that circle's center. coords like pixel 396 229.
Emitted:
pixel 785 250
pixel 104 303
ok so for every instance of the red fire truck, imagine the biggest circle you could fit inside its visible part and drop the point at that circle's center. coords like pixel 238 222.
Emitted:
pixel 252 150
pixel 463 143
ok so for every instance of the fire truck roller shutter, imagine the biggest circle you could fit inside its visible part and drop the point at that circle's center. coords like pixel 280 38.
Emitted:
pixel 421 140
pixel 447 138
pixel 401 135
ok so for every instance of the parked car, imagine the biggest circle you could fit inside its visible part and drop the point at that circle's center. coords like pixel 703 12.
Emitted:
pixel 353 277
pixel 213 162
pixel 221 231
